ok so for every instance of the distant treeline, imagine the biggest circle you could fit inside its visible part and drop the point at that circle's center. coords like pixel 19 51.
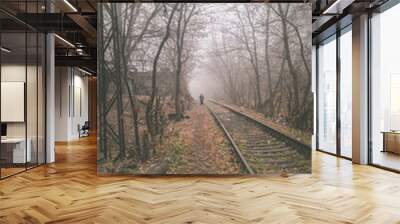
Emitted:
pixel 262 60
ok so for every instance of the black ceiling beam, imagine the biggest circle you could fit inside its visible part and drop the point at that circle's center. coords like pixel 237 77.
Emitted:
pixel 8 24
pixel 331 30
pixel 88 51
pixel 204 1
pixel 322 23
pixel 91 17
pixel 85 25
pixel 90 70
pixel 7 16
pixel 49 22
pixel 79 61
pixel 91 5
pixel 323 28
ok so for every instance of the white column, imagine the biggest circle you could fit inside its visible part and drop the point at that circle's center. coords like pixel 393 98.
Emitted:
pixel 360 90
pixel 50 94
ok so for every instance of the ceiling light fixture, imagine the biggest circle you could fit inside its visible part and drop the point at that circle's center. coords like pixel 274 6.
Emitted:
pixel 337 7
pixel 65 41
pixel 5 50
pixel 79 51
pixel 70 5
pixel 84 71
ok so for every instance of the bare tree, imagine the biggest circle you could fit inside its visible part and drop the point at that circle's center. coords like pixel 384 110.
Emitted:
pixel 257 58
pixel 150 105
pixel 251 44
pixel 186 12
pixel 279 84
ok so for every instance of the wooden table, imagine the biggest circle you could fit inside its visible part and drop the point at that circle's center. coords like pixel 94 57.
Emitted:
pixel 13 150
pixel 391 141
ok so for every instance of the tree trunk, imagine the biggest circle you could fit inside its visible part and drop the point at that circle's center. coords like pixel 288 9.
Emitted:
pixel 179 46
pixel 292 70
pixel 102 96
pixel 150 104
pixel 270 101
pixel 183 21
pixel 129 49
pixel 118 82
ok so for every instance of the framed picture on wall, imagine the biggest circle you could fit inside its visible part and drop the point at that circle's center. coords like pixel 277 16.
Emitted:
pixel 202 88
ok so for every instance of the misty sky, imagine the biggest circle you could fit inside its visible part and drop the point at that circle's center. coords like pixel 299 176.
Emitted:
pixel 220 20
pixel 203 82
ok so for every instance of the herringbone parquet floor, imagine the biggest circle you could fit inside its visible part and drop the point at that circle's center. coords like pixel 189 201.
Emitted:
pixel 69 191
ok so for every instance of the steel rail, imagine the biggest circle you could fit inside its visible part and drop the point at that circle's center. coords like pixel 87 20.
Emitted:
pixel 232 142
pixel 301 147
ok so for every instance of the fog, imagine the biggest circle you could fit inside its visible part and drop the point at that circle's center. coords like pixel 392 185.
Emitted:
pixel 202 79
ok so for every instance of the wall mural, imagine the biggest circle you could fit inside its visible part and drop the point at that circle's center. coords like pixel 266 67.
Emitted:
pixel 190 88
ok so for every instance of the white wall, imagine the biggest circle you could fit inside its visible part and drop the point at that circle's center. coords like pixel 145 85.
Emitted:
pixel 33 126
pixel 17 73
pixel 12 73
pixel 62 81
pixel 70 83
pixel 79 117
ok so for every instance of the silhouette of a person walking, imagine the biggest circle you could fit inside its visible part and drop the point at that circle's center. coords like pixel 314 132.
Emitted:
pixel 201 99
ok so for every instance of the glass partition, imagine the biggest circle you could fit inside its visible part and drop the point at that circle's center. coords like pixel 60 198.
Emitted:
pixel 31 100
pixel 41 97
pixel 22 88
pixel 14 152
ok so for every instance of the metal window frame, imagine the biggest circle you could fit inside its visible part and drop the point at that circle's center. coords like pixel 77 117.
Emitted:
pixel 387 5
pixel 339 32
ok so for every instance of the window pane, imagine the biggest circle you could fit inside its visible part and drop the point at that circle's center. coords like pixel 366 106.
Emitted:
pixel 346 94
pixel 386 89
pixel 327 96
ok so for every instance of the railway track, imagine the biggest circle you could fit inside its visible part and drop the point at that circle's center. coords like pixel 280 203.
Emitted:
pixel 261 149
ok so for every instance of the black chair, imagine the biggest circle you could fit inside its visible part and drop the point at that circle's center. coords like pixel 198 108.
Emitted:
pixel 84 130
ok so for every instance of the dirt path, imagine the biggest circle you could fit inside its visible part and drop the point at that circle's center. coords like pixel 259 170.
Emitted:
pixel 205 149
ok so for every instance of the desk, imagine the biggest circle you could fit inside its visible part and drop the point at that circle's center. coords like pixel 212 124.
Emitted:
pixel 13 150
pixel 391 141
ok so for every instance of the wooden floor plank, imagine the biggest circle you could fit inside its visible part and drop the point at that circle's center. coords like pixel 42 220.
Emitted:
pixel 69 191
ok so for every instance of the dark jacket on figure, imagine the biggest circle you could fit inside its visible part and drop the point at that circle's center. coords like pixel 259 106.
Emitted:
pixel 201 99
